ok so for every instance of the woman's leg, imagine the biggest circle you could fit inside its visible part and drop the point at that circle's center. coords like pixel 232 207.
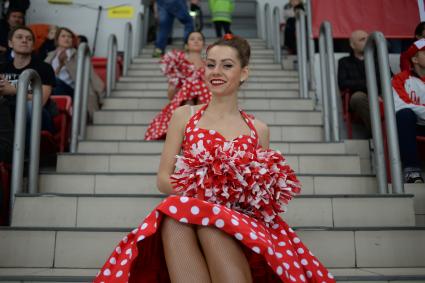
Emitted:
pixel 217 25
pixel 184 258
pixel 225 258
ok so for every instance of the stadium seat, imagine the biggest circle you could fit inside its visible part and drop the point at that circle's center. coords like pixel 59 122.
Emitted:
pixel 40 31
pixel 58 142
pixel 5 184
pixel 100 65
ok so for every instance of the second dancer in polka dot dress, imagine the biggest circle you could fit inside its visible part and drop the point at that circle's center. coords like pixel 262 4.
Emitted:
pixel 221 221
pixel 185 73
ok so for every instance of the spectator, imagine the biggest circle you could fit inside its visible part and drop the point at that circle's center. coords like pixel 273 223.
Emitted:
pixel 49 43
pixel 167 11
pixel 21 5
pixel 82 39
pixel 14 17
pixel 405 63
pixel 21 41
pixel 195 7
pixel 64 62
pixel 221 11
pixel 409 99
pixel 352 78
pixel 289 17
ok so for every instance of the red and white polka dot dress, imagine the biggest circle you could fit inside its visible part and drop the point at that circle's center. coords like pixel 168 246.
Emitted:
pixel 190 84
pixel 274 251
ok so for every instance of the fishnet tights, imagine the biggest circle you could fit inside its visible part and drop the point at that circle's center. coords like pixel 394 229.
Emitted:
pixel 218 258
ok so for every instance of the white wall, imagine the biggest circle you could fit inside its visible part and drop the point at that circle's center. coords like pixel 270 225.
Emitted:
pixel 82 20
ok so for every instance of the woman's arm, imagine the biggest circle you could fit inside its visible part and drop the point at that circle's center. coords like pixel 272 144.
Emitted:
pixel 171 148
pixel 263 133
pixel 172 90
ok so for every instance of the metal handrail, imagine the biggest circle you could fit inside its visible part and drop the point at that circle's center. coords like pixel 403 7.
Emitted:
pixel 276 33
pixel 146 17
pixel 268 25
pixel 377 41
pixel 310 46
pixel 79 111
pixel 328 75
pixel 302 52
pixel 139 35
pixel 128 42
pixel 27 77
pixel 111 64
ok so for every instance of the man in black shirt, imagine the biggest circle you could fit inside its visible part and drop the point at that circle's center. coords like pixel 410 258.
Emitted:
pixel 21 40
pixel 352 77
pixel 14 17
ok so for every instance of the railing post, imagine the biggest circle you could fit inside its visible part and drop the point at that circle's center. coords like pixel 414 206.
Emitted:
pixel 146 18
pixel 269 28
pixel 139 34
pixel 79 90
pixel 85 94
pixel 276 32
pixel 324 90
pixel 377 40
pixel 328 74
pixel 302 53
pixel 111 64
pixel 27 77
pixel 128 39
pixel 310 46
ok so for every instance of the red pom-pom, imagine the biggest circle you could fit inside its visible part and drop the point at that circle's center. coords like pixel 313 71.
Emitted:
pixel 259 183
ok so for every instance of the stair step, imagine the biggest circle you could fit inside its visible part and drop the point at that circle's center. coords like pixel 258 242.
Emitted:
pixel 253 67
pixel 144 60
pixel 137 132
pixel 252 79
pixel 134 183
pixel 148 163
pixel 84 211
pixel 377 275
pixel 99 146
pixel 248 86
pixel 241 94
pixel 271 117
pixel 336 248
pixel 255 72
pixel 248 104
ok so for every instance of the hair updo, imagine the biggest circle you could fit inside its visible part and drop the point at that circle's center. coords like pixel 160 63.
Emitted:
pixel 238 43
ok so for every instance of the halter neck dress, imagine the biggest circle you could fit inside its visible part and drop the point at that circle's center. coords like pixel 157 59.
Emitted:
pixel 274 251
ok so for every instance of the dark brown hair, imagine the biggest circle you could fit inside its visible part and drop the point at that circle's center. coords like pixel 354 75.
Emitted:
pixel 238 43
pixel 58 32
pixel 13 30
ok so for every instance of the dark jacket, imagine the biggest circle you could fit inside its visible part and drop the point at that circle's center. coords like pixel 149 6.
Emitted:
pixel 351 74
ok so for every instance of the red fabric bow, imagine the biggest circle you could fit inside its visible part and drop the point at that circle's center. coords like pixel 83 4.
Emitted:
pixel 228 36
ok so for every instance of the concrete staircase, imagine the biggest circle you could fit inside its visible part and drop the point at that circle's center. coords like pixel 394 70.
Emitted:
pixel 95 197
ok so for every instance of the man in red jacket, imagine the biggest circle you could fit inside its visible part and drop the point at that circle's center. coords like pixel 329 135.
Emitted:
pixel 404 58
pixel 409 100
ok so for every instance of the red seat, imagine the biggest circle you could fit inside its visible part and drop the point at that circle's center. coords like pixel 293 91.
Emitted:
pixel 100 67
pixel 5 184
pixel 349 117
pixel 58 142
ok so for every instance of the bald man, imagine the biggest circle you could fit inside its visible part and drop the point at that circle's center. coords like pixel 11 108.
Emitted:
pixel 352 77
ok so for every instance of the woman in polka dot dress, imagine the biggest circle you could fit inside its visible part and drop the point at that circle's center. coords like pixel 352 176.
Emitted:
pixel 185 72
pixel 220 222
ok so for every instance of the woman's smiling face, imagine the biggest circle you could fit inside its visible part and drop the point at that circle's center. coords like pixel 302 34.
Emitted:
pixel 224 73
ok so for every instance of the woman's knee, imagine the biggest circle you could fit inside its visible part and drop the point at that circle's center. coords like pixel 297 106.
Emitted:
pixel 406 115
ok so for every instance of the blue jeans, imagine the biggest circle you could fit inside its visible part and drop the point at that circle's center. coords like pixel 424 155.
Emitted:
pixel 46 120
pixel 167 11
pixel 407 132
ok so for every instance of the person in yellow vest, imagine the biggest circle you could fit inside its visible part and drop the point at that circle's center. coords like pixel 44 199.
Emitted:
pixel 221 12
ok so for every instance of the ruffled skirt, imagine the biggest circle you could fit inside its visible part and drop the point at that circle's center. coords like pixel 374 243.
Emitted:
pixel 275 254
